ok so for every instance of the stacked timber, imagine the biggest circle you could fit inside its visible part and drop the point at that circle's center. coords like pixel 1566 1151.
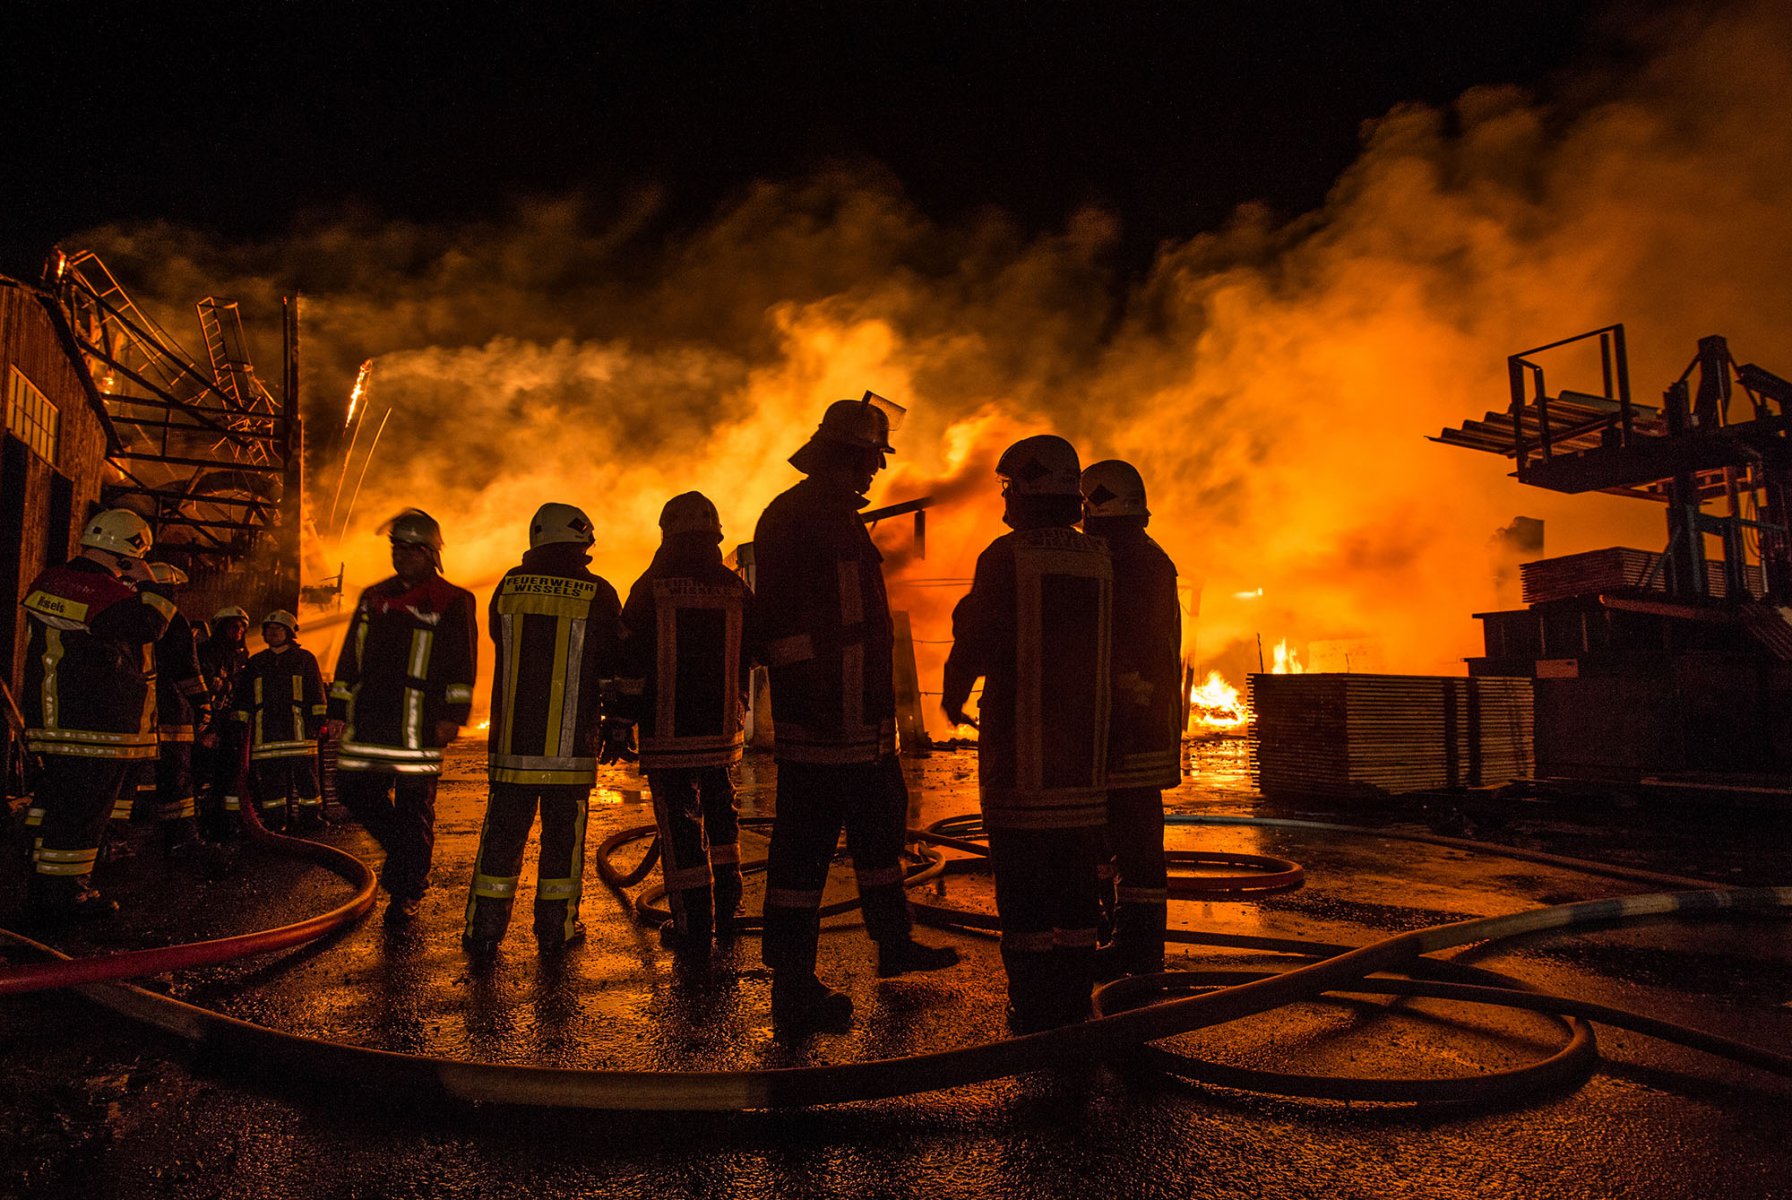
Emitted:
pixel 1617 569
pixel 1347 736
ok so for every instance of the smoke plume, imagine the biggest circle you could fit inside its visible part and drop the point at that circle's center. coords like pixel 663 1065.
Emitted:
pixel 1273 380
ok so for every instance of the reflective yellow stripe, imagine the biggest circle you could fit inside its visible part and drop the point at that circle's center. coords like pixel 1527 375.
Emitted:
pixel 494 887
pixel 161 605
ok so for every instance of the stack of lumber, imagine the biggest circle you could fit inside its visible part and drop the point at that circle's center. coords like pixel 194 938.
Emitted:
pixel 1617 569
pixel 1347 736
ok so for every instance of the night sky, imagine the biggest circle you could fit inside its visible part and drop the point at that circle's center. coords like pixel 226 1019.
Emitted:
pixel 240 120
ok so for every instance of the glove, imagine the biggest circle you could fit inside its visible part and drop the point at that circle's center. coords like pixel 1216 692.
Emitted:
pixel 616 741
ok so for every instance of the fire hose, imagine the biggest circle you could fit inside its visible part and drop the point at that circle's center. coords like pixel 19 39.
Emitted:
pixel 131 964
pixel 1125 1033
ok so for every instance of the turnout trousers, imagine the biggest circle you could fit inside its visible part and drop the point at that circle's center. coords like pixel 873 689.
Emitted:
pixel 699 846
pixel 399 810
pixel 1047 900
pixel 278 782
pixel 74 802
pixel 814 801
pixel 1135 837
pixel 174 781
pixel 559 868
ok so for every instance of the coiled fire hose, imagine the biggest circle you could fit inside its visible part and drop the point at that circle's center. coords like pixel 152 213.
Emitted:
pixel 132 964
pixel 1122 1033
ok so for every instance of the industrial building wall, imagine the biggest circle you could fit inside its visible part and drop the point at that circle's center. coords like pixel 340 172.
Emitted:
pixel 51 459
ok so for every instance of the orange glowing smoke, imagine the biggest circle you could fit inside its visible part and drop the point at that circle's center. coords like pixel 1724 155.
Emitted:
pixel 1273 380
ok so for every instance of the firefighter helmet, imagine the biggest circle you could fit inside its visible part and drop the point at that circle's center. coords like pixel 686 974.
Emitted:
pixel 414 527
pixel 560 523
pixel 1112 488
pixel 231 612
pixel 690 512
pixel 1043 465
pixel 281 617
pixel 118 531
pixel 166 574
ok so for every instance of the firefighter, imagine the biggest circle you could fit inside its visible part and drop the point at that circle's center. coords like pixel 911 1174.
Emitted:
pixel 403 687
pixel 554 627
pixel 1035 628
pixel 218 753
pixel 1145 733
pixel 279 708
pixel 182 704
pixel 84 698
pixel 687 660
pixel 828 644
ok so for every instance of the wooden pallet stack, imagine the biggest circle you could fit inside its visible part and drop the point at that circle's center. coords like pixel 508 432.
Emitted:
pixel 1347 736
pixel 1616 569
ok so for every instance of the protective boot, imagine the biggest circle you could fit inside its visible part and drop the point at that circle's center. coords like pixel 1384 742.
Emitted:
pixel 1139 938
pixel 728 889
pixel 804 1004
pixel 1072 972
pixel 1033 1000
pixel 56 900
pixel 559 940
pixel 898 956
pixel 689 931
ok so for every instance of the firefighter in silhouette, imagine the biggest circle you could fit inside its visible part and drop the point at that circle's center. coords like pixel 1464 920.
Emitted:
pixel 554 626
pixel 91 626
pixel 828 644
pixel 1035 628
pixel 279 707
pixel 402 689
pixel 183 703
pixel 219 756
pixel 687 656
pixel 1145 733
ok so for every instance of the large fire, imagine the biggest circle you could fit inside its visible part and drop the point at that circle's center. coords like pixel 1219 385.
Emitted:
pixel 1274 382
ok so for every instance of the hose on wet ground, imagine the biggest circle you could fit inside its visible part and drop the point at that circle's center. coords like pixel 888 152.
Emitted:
pixel 1123 1033
pixel 1118 1033
pixel 18 978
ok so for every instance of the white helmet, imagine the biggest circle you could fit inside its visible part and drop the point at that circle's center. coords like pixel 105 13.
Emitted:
pixel 281 617
pixel 231 612
pixel 119 531
pixel 1112 488
pixel 560 523
pixel 1043 465
pixel 166 574
pixel 690 512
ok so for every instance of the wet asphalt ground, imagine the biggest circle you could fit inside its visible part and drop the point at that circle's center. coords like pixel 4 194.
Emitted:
pixel 95 1107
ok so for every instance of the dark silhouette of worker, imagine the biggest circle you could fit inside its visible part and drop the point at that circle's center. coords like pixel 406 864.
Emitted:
pixel 1145 732
pixel 688 651
pixel 828 643
pixel 403 688
pixel 1035 629
pixel 554 626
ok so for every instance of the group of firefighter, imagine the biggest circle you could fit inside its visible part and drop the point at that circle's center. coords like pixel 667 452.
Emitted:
pixel 1075 634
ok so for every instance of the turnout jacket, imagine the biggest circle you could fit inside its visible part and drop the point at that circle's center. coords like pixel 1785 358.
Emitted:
pixel 827 630
pixel 87 663
pixel 407 662
pixel 1145 732
pixel 279 697
pixel 1036 627
pixel 183 701
pixel 689 628
pixel 555 627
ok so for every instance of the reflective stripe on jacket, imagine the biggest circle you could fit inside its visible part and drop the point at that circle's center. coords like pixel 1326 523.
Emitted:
pixel 1035 626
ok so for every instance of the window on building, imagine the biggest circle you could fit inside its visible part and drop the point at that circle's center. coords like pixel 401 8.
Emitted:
pixel 31 416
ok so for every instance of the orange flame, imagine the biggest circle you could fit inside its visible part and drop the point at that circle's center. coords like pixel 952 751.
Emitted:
pixel 1287 660
pixel 1216 704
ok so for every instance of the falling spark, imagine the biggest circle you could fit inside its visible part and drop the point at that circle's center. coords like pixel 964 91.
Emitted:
pixel 1216 704
pixel 362 378
pixel 356 495
pixel 354 398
